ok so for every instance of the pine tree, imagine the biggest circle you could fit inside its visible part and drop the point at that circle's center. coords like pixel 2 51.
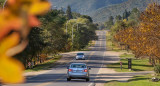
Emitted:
pixel 69 13
pixel 126 14
pixel 110 22
pixel 118 17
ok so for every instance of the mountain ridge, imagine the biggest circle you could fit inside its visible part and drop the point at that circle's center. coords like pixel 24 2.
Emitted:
pixel 100 10
pixel 102 14
pixel 84 6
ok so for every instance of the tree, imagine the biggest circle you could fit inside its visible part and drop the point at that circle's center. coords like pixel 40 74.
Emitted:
pixel 126 14
pixel 83 32
pixel 144 39
pixel 134 16
pixel 34 48
pixel 55 37
pixel 76 15
pixel 1 3
pixel 109 23
pixel 62 11
pixel 118 18
pixel 87 17
pixel 49 38
pixel 69 13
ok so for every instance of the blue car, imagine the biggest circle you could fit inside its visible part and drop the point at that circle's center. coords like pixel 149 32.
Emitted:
pixel 78 71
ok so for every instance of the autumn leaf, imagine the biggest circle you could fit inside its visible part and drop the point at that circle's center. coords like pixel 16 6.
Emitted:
pixel 16 21
pixel 8 23
pixel 11 70
pixel 39 7
pixel 33 21
pixel 8 43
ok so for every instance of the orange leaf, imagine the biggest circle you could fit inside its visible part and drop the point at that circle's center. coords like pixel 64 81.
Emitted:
pixel 8 23
pixel 11 2
pixel 33 21
pixel 11 70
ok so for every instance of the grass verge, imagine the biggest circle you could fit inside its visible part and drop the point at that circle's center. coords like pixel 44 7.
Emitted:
pixel 137 64
pixel 141 80
pixel 44 66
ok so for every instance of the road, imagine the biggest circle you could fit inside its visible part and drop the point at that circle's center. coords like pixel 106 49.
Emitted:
pixel 57 76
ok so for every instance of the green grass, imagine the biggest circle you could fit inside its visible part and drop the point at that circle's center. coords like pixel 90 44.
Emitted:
pixel 125 55
pixel 137 64
pixel 141 80
pixel 44 66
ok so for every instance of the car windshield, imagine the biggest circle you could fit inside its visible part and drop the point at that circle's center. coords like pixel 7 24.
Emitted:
pixel 78 66
pixel 80 53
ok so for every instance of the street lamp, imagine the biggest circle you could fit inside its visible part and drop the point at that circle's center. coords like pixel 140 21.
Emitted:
pixel 67 25
pixel 77 29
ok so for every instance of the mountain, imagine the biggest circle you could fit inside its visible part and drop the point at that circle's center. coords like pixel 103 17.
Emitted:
pixel 84 6
pixel 100 10
pixel 102 14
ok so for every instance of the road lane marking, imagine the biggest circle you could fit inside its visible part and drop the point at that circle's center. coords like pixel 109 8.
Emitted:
pixel 93 83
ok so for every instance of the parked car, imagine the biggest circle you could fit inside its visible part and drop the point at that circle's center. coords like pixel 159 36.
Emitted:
pixel 80 56
pixel 78 71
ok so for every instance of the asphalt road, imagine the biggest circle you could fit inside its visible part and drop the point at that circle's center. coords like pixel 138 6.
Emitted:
pixel 57 76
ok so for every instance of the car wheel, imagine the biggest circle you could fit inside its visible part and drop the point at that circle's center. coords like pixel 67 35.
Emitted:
pixel 68 79
pixel 87 79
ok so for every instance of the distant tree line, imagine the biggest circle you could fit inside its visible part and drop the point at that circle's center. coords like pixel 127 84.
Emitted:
pixel 130 17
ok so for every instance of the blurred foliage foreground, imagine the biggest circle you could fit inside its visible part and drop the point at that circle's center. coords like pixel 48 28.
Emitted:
pixel 16 21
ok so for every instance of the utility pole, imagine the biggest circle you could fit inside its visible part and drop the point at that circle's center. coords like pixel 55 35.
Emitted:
pixel 66 26
pixel 72 33
pixel 77 27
